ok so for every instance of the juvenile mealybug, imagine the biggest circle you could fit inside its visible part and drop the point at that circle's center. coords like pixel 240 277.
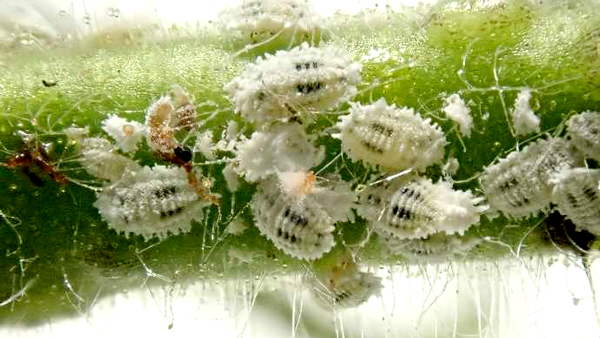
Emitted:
pixel 345 286
pixel 577 197
pixel 438 245
pixel 393 138
pixel 292 82
pixel 126 133
pixel 284 147
pixel 302 230
pixel 584 131
pixel 519 185
pixel 151 202
pixel 456 109
pixel 99 159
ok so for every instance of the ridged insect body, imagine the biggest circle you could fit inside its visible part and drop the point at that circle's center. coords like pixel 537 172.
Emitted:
pixel 577 195
pixel 259 20
pixel 421 208
pixel 584 131
pixel 438 245
pixel 287 83
pixel 301 230
pixel 390 137
pixel 519 185
pixel 151 202
pixel 100 159
pixel 345 287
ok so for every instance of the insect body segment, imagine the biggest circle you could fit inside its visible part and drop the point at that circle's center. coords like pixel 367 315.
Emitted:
pixel 99 158
pixel 519 185
pixel 151 202
pixel 584 131
pixel 438 245
pixel 577 195
pixel 390 137
pixel 303 79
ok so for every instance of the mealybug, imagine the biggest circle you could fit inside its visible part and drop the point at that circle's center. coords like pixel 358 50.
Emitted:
pixel 99 159
pixel 577 197
pixel 151 202
pixel 391 137
pixel 438 245
pixel 584 131
pixel 420 208
pixel 126 133
pixel 301 230
pixel 456 109
pixel 259 20
pixel 291 82
pixel 519 185
pixel 345 286
pixel 283 147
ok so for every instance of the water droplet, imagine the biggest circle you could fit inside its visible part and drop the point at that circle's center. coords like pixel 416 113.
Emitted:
pixel 13 187
pixel 497 144
pixel 87 19
pixel 62 13
pixel 114 12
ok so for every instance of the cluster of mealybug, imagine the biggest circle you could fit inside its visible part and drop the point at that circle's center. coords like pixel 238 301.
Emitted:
pixel 419 208
pixel 393 138
pixel 289 83
pixel 520 184
pixel 577 195
pixel 259 20
pixel 151 202
pixel 302 230
pixel 584 132
pixel 345 286
pixel 283 147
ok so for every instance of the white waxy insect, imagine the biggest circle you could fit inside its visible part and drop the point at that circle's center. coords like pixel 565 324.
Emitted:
pixel 292 82
pixel 391 137
pixel 456 109
pixel 151 202
pixel 345 286
pixel 519 185
pixel 524 119
pixel 99 159
pixel 301 230
pixel 259 20
pixel 577 197
pixel 284 147
pixel 420 208
pixel 584 131
pixel 126 133
pixel 438 245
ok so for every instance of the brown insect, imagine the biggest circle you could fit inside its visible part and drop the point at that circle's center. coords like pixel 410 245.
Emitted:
pixel 34 155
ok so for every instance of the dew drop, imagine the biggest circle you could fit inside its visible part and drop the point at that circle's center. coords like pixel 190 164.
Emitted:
pixel 87 20
pixel 62 13
pixel 114 12
pixel 13 187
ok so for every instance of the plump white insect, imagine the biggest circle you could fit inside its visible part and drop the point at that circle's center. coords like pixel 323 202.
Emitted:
pixel 283 147
pixel 393 138
pixel 126 133
pixel 577 195
pixel 155 201
pixel 100 159
pixel 524 119
pixel 456 109
pixel 259 20
pixel 345 286
pixel 439 245
pixel 584 131
pixel 301 230
pixel 304 79
pixel 420 208
pixel 519 185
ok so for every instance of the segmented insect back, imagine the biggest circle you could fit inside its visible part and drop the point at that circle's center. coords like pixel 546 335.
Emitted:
pixel 390 137
pixel 151 202
pixel 438 245
pixel 301 230
pixel 519 185
pixel 584 131
pixel 99 159
pixel 577 195
pixel 346 287
pixel 292 82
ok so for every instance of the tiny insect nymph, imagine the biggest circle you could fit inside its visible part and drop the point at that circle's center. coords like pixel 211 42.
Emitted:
pixel 584 132
pixel 577 197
